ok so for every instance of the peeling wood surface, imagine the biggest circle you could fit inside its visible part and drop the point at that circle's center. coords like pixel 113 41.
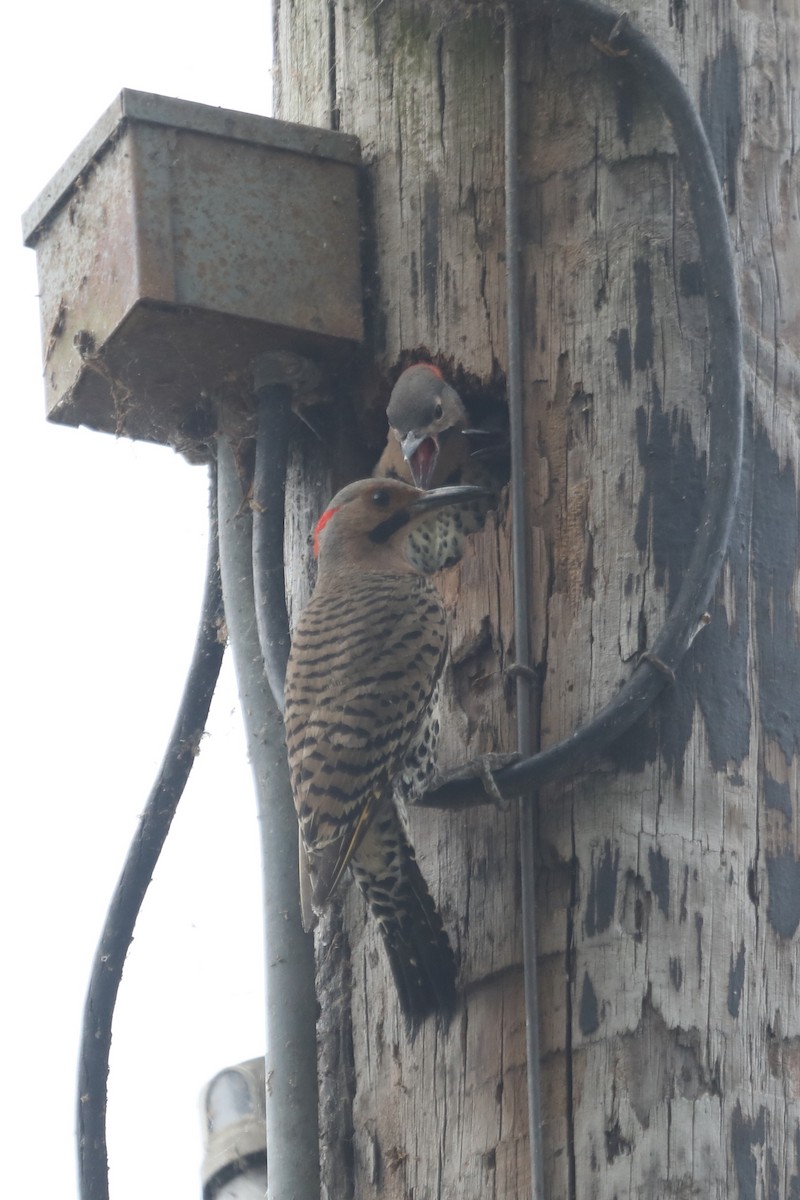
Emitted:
pixel 669 881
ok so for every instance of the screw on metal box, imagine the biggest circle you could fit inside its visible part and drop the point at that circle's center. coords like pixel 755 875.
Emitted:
pixel 178 242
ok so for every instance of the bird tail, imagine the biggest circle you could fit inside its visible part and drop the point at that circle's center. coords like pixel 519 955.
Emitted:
pixel 419 951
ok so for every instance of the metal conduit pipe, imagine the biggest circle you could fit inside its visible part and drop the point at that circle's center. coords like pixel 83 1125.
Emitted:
pixel 291 1005
pixel 519 550
pixel 688 614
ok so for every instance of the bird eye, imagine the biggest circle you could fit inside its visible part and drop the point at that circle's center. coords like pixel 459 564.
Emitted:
pixel 381 498
pixel 437 412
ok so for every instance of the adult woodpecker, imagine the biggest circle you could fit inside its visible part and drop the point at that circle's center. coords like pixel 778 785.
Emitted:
pixel 431 445
pixel 365 661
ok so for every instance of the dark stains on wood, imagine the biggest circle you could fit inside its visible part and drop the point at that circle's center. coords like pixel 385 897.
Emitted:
pixel 719 668
pixel 775 567
pixel 794 1182
pixel 623 356
pixel 636 903
pixel 752 887
pixel 720 109
pixel 736 982
pixel 698 930
pixel 602 896
pixel 744 1135
pixel 677 14
pixel 720 657
pixel 616 1144
pixel 672 498
pixel 643 345
pixel 668 516
pixel 683 911
pixel 690 279
pixel 588 1013
pixel 773 1178
pixel 628 100
pixel 783 905
pixel 675 711
pixel 639 745
pixel 714 673
pixel 413 276
pixel 659 878
pixel 431 245
pixel 777 796
pixel 662 1063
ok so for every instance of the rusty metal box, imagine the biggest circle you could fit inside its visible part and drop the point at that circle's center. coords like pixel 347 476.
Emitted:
pixel 178 242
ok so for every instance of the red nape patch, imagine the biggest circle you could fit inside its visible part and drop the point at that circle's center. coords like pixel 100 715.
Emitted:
pixel 320 525
pixel 434 369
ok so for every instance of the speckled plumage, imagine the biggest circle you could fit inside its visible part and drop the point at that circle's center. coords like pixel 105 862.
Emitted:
pixel 366 658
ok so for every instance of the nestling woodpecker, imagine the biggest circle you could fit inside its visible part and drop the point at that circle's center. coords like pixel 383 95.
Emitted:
pixel 430 445
pixel 366 657
pixel 426 423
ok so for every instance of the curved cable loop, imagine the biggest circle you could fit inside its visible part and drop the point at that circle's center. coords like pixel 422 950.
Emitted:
pixel 143 854
pixel 687 616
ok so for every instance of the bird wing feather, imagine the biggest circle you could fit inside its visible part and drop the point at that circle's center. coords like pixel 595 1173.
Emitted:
pixel 362 671
pixel 328 867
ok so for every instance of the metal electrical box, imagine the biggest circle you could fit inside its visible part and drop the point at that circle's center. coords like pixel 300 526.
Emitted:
pixel 178 242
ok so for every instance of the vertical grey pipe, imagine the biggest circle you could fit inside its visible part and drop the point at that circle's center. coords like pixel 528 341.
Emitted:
pixel 291 1007
pixel 522 605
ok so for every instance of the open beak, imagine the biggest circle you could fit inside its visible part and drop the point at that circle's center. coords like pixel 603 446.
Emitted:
pixel 421 454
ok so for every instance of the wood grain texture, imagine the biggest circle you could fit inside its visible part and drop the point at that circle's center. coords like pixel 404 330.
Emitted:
pixel 669 880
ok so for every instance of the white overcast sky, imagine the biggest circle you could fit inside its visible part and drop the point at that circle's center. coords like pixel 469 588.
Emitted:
pixel 104 547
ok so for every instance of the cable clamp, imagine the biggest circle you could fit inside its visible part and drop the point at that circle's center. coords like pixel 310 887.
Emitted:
pixel 607 47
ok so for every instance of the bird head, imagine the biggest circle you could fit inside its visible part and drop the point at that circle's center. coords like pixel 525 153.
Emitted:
pixel 374 523
pixel 423 411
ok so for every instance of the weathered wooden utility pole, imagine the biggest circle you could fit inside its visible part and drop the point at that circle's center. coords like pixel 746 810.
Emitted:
pixel 669 881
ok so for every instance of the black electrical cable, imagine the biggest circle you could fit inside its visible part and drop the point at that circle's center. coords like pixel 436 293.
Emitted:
pixel 140 862
pixel 291 1002
pixel 611 31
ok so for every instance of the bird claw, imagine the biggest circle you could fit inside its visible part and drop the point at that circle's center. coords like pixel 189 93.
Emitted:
pixel 487 779
pixel 482 768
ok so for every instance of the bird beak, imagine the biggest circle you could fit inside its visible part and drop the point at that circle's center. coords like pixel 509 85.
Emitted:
pixel 442 497
pixel 420 452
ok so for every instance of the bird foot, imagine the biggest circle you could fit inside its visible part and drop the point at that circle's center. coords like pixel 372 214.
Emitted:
pixel 482 768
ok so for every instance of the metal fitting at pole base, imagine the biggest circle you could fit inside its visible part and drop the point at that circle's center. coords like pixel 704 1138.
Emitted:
pixel 235 1133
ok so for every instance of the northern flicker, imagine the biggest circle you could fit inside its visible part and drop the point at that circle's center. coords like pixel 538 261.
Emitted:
pixel 361 683
pixel 431 445
pixel 426 418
